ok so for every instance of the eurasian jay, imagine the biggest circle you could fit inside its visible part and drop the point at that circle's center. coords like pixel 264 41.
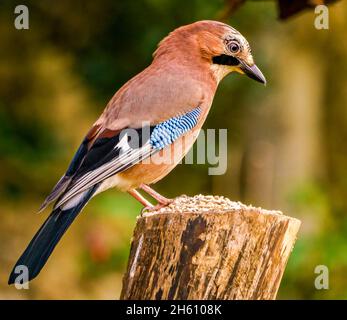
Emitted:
pixel 170 99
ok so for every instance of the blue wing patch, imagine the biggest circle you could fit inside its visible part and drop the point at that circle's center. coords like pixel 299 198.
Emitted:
pixel 168 131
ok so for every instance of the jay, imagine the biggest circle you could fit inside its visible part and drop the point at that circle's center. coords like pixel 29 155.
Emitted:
pixel 170 99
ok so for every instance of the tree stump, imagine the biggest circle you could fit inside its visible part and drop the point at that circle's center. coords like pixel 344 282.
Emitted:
pixel 208 247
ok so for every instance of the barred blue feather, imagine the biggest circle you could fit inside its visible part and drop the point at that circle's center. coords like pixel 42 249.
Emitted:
pixel 168 131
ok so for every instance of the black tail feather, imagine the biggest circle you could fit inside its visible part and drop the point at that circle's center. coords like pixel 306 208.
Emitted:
pixel 58 189
pixel 41 246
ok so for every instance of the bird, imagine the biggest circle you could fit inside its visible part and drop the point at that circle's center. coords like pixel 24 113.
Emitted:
pixel 154 114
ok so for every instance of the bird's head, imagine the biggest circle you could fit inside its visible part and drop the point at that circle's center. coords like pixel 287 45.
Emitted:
pixel 220 46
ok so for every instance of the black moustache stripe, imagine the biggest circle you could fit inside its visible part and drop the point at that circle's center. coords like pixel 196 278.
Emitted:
pixel 225 60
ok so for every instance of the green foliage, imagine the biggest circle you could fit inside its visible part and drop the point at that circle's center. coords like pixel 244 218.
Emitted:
pixel 56 77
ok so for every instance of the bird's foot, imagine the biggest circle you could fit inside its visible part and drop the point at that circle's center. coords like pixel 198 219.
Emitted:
pixel 152 208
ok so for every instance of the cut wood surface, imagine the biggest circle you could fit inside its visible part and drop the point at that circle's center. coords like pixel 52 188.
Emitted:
pixel 208 247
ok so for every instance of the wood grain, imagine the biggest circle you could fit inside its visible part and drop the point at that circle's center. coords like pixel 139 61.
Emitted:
pixel 209 248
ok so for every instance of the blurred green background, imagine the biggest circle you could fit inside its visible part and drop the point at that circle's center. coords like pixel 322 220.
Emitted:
pixel 287 141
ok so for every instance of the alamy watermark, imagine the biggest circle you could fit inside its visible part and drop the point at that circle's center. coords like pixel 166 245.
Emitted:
pixel 22 280
pixel 211 148
pixel 322 280
pixel 321 21
pixel 21 20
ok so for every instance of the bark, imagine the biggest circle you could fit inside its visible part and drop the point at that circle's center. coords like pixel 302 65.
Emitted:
pixel 208 248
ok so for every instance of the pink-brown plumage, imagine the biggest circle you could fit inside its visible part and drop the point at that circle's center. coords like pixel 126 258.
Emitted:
pixel 179 79
pixel 183 77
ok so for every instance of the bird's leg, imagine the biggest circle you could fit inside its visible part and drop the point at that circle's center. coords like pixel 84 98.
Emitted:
pixel 154 194
pixel 162 201
pixel 140 198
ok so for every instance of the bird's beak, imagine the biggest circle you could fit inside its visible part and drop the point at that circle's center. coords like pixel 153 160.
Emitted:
pixel 253 72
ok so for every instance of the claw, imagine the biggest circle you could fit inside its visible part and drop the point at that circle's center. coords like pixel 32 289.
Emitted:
pixel 148 209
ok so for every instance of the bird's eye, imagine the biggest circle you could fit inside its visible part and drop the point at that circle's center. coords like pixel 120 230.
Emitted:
pixel 234 47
